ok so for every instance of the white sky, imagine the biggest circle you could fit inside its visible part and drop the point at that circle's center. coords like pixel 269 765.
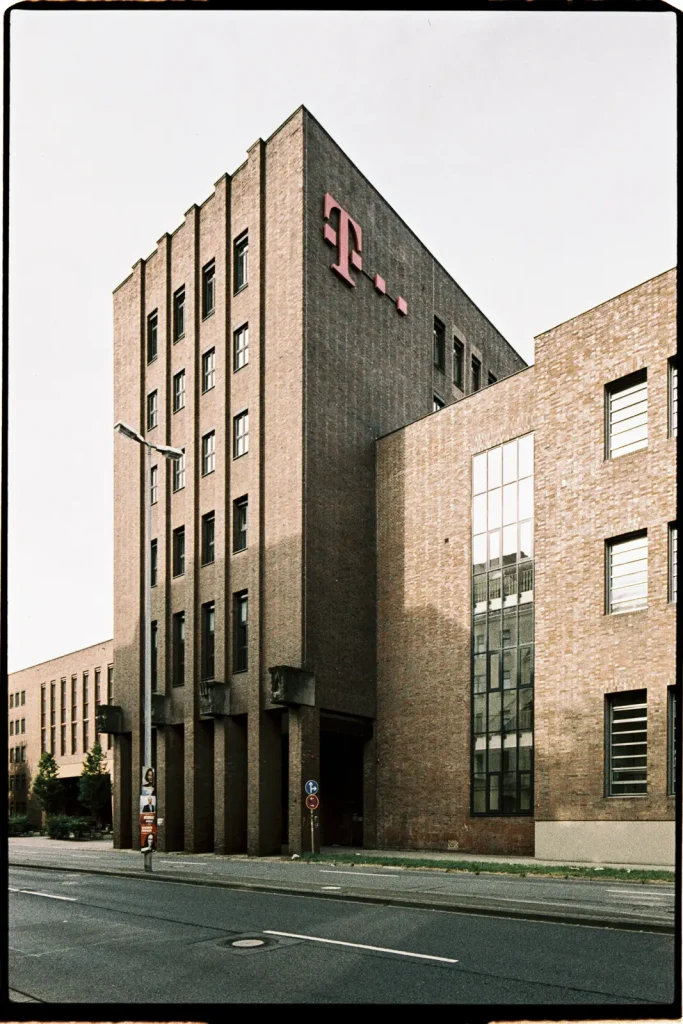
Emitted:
pixel 533 152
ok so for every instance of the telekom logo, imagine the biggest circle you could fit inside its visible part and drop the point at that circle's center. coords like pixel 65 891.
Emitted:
pixel 348 241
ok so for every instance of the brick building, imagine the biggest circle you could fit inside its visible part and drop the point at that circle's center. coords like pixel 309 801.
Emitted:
pixel 526 600
pixel 285 325
pixel 52 706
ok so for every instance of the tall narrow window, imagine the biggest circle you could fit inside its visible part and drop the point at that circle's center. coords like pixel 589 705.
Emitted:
pixel 98 696
pixel 627 573
pixel 241 630
pixel 673 396
pixel 74 714
pixel 110 698
pixel 437 403
pixel 23 696
pixel 439 345
pixel 627 743
pixel 86 716
pixel 492 378
pixel 241 261
pixel 152 336
pixel 208 537
pixel 208 288
pixel 53 702
pixel 179 391
pixel 152 410
pixel 208 640
pixel 155 654
pixel 179 473
pixel 672 741
pixel 153 564
pixel 239 523
pixel 209 453
pixel 179 314
pixel 476 374
pixel 209 370
pixel 626 415
pixel 673 562
pixel 43 717
pixel 179 551
pixel 153 485
pixel 240 435
pixel 62 693
pixel 11 700
pixel 240 347
pixel 179 649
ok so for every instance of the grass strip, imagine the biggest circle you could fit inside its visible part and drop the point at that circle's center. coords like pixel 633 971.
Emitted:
pixel 495 867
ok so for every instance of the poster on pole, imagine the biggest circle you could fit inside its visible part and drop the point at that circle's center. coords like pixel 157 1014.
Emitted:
pixel 148 810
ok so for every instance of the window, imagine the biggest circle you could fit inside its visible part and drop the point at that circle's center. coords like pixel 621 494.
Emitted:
pixel 179 391
pixel 11 728
pixel 62 695
pixel 53 701
pixel 153 564
pixel 476 374
pixel 23 725
pixel 627 573
pixel 152 410
pixel 152 336
pixel 437 403
pixel 240 347
pixel 153 486
pixel 502 741
pixel 492 378
pixel 439 345
pixel 179 551
pixel 672 741
pixel 208 640
pixel 241 261
pixel 240 435
pixel 11 700
pixel 74 714
pixel 208 537
pixel 626 415
pixel 208 288
pixel 209 453
pixel 23 696
pixel 673 397
pixel 98 687
pixel 627 743
pixel 155 653
pixel 179 314
pixel 85 697
pixel 86 736
pixel 110 698
pixel 43 744
pixel 209 370
pixel 74 737
pixel 239 523
pixel 241 606
pixel 179 649
pixel 179 473
pixel 11 755
pixel 673 562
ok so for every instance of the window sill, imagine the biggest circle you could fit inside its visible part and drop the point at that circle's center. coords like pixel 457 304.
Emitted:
pixel 205 391
pixel 240 671
pixel 205 316
pixel 208 472
pixel 236 369
pixel 179 409
pixel 178 575
pixel 440 369
pixel 152 360
pixel 177 490
pixel 238 551
pixel 629 611
pixel 626 796
pixel 235 457
pixel 211 562
pixel 241 288
pixel 616 458
pixel 179 338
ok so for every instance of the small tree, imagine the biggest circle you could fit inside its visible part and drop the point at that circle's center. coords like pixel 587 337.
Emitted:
pixel 94 784
pixel 47 788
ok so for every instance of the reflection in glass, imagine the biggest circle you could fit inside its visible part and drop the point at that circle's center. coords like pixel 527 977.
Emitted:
pixel 480 673
pixel 494 672
pixel 495 464
pixel 479 474
pixel 526 455
pixel 509 545
pixel 510 504
pixel 494 549
pixel 479 514
pixel 479 552
pixel 526 540
pixel 509 462
pixel 509 669
pixel 494 508
pixel 526 498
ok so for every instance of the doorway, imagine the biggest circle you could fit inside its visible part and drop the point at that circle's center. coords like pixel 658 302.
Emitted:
pixel 341 781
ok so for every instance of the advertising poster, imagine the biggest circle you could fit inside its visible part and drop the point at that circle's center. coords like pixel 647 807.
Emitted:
pixel 148 810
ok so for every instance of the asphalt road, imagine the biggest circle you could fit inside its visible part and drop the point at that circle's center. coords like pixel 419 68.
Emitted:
pixel 87 938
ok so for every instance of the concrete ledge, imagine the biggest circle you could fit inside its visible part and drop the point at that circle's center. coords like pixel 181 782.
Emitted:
pixel 597 842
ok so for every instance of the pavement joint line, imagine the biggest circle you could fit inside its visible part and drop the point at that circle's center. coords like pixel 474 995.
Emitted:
pixel 360 945
pixel 632 924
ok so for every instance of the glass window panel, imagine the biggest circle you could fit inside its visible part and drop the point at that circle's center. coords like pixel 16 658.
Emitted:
pixel 526 540
pixel 509 462
pixel 510 503
pixel 494 508
pixel 479 794
pixel 510 759
pixel 494 549
pixel 495 756
pixel 494 590
pixel 495 467
pixel 526 498
pixel 509 669
pixel 525 710
pixel 479 473
pixel 493 792
pixel 479 594
pixel 479 673
pixel 510 628
pixel 494 671
pixel 479 762
pixel 510 713
pixel 510 587
pixel 526 583
pixel 509 545
pixel 479 514
pixel 479 552
pixel 494 712
pixel 525 666
pixel 524 758
pixel 494 631
pixel 479 633
pixel 526 455
pixel 526 624
pixel 525 791
pixel 479 724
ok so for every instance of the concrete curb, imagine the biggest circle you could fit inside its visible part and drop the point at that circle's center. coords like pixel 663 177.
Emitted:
pixel 475 905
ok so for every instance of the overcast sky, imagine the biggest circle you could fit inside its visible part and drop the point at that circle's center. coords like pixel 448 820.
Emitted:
pixel 532 152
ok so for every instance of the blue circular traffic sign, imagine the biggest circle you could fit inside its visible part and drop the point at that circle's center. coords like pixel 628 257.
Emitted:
pixel 311 787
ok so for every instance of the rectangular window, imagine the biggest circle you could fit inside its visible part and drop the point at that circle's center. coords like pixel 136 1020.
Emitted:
pixel 241 609
pixel 11 755
pixel 208 537
pixel 62 731
pixel 153 486
pixel 85 695
pixel 179 391
pixel 209 370
pixel 240 435
pixel 437 403
pixel 208 288
pixel 62 739
pixel 11 728
pixel 492 378
pixel 626 415
pixel 23 696
pixel 153 564
pixel 110 698
pixel 476 374
pixel 74 714
pixel 179 314
pixel 43 743
pixel 11 700
pixel 439 345
pixel 209 453
pixel 152 410
pixel 673 397
pixel 53 702
pixel 23 725
pixel 239 523
pixel 208 640
pixel 155 653
pixel 627 573
pixel 179 551
pixel 627 743
pixel 673 732
pixel 179 473
pixel 74 737
pixel 179 649
pixel 98 688
pixel 86 736
pixel 673 562
pixel 152 336
pixel 240 347
pixel 241 261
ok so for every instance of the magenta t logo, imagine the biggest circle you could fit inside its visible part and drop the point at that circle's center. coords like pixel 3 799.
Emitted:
pixel 348 240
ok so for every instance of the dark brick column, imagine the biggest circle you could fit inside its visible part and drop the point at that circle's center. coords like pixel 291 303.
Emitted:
pixel 304 764
pixel 264 808
pixel 370 792
pixel 170 787
pixel 230 827
pixel 122 792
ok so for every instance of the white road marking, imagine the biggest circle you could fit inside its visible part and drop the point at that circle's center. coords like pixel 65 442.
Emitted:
pixel 48 895
pixel 373 874
pixel 10 889
pixel 640 892
pixel 359 945
pixel 338 887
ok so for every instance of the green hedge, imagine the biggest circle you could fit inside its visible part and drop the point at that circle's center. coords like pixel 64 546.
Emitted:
pixel 18 825
pixel 62 826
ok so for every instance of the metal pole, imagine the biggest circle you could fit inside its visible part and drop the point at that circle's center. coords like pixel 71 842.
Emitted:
pixel 147 715
pixel 312 837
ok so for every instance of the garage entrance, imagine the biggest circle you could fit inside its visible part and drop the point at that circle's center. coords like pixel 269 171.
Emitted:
pixel 342 742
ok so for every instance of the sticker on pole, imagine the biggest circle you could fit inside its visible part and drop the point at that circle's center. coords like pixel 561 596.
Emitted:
pixel 148 810
pixel 311 787
pixel 312 802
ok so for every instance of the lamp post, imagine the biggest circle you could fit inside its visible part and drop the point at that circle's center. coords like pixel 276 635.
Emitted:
pixel 168 453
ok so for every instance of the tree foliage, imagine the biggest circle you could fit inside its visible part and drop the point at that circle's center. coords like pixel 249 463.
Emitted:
pixel 94 784
pixel 47 788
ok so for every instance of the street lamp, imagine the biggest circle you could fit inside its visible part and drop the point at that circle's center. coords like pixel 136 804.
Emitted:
pixel 168 453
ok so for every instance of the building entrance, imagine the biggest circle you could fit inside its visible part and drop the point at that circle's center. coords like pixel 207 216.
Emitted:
pixel 341 781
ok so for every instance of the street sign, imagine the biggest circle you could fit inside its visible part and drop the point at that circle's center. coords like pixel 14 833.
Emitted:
pixel 312 802
pixel 311 787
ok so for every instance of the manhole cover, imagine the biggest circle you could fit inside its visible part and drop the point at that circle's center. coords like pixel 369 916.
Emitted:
pixel 248 943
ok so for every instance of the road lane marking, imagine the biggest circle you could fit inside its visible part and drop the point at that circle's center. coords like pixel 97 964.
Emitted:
pixel 360 945
pixel 10 889
pixel 337 887
pixel 48 895
pixel 373 874
pixel 640 892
